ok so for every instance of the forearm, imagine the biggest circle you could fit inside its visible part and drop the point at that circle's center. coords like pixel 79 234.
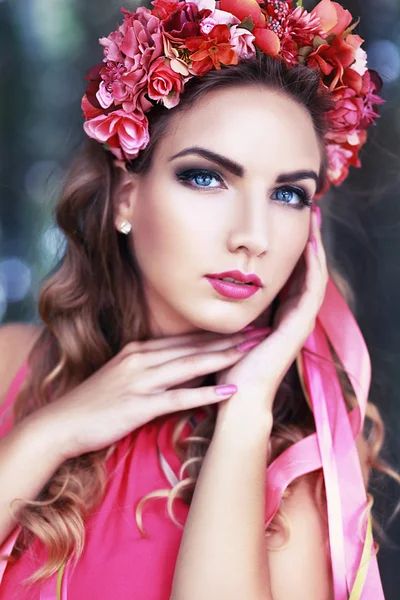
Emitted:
pixel 223 550
pixel 28 458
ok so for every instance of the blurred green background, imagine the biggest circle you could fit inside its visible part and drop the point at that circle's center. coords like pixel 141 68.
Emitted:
pixel 46 48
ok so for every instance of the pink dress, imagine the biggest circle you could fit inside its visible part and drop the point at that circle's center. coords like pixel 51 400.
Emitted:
pixel 117 562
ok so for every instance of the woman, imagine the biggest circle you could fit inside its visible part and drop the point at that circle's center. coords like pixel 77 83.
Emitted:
pixel 214 144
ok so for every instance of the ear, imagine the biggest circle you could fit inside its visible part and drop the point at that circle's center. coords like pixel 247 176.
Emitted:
pixel 125 194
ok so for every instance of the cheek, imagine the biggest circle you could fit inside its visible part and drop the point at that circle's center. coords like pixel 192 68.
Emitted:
pixel 166 227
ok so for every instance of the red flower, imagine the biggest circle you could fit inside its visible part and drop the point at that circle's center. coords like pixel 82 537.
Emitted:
pixel 212 50
pixel 332 59
pixel 185 22
pixel 163 8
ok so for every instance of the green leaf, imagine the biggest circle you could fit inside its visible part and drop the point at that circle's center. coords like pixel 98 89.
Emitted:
pixel 247 23
pixel 299 3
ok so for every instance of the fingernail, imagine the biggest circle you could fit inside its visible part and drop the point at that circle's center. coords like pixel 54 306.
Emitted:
pixel 260 331
pixel 248 345
pixel 248 328
pixel 314 244
pixel 226 390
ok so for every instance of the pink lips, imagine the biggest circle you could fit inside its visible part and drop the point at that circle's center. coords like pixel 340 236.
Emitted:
pixel 233 290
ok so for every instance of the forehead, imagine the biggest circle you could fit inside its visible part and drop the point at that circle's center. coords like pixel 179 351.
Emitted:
pixel 255 126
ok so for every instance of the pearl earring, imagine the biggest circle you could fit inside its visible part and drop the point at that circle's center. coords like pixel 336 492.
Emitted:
pixel 125 227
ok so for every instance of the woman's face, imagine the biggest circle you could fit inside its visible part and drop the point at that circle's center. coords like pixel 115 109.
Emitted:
pixel 224 193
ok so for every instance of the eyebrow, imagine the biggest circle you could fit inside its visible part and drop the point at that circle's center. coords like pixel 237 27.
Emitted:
pixel 240 171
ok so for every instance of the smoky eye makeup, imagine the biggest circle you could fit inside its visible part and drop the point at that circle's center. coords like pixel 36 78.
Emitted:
pixel 206 179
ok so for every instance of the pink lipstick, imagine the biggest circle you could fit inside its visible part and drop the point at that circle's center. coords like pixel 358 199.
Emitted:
pixel 239 291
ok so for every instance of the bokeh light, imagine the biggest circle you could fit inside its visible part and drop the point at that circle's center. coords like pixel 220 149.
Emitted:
pixel 16 277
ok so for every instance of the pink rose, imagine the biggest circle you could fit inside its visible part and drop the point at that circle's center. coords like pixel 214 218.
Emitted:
pixel 338 163
pixel 164 83
pixel 242 42
pixel 207 24
pixel 126 134
pixel 104 97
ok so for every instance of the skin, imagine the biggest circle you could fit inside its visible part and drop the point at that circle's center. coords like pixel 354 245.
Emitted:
pixel 238 224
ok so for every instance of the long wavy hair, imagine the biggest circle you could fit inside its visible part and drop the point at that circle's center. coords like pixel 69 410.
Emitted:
pixel 93 304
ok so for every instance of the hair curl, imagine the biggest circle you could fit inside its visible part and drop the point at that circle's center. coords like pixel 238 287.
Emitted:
pixel 93 305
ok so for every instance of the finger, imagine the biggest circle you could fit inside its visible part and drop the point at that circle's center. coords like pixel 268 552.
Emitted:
pixel 185 368
pixel 180 399
pixel 169 342
pixel 158 357
pixel 316 232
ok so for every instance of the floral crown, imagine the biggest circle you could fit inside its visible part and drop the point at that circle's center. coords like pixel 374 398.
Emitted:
pixel 152 55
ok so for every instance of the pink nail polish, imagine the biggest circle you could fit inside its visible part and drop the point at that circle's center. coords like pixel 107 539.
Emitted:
pixel 259 331
pixel 248 328
pixel 226 390
pixel 248 345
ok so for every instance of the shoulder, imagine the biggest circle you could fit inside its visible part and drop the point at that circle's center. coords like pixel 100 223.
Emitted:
pixel 16 341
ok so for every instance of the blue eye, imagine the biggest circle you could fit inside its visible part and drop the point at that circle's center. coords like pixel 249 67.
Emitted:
pixel 201 178
pixel 287 193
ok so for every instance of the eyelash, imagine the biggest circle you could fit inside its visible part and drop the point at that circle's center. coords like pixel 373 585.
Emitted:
pixel 187 176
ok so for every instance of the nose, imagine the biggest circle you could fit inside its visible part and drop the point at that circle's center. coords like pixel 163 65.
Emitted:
pixel 251 225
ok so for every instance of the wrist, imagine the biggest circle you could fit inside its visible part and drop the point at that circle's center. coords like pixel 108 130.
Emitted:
pixel 245 420
pixel 47 436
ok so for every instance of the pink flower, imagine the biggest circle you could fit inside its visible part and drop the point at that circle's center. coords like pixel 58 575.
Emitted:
pixel 142 43
pixel 207 24
pixel 342 156
pixel 104 97
pixel 112 45
pixel 345 118
pixel 242 42
pixel 371 86
pixel 125 134
pixel 302 26
pixel 164 83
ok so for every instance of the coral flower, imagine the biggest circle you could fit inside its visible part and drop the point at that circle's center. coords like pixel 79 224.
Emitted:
pixel 334 18
pixel 211 51
pixel 243 9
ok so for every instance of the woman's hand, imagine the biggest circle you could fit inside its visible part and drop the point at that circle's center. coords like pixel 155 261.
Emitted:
pixel 134 388
pixel 261 371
